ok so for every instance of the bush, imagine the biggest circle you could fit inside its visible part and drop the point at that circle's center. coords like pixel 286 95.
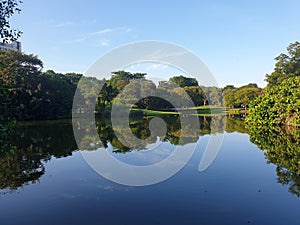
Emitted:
pixel 279 105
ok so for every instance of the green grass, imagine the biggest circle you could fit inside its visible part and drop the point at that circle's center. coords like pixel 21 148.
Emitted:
pixel 148 112
pixel 201 111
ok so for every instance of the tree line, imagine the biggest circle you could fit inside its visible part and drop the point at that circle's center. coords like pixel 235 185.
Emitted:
pixel 28 93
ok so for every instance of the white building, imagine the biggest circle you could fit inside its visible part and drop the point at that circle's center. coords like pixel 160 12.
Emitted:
pixel 10 45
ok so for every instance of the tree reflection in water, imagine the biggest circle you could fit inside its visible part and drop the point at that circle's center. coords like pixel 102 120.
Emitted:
pixel 140 129
pixel 33 144
pixel 282 148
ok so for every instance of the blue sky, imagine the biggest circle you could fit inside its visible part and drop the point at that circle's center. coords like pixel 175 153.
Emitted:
pixel 237 40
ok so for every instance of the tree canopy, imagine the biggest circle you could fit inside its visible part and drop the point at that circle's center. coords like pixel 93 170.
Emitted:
pixel 280 103
pixel 183 81
pixel 29 93
pixel 242 96
pixel 286 66
pixel 7 9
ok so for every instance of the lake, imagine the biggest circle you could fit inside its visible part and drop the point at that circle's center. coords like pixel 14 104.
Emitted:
pixel 254 179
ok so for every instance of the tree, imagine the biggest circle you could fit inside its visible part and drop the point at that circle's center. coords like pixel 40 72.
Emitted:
pixel 196 93
pixel 147 88
pixel 242 96
pixel 250 85
pixel 7 9
pixel 183 81
pixel 287 65
pixel 228 94
pixel 73 78
pixel 279 105
pixel 120 78
pixel 179 97
pixel 213 96
pixel 14 67
pixel 32 94
pixel 113 87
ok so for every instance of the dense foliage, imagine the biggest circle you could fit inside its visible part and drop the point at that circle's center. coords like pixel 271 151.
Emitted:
pixel 184 81
pixel 30 94
pixel 280 103
pixel 242 96
pixel 129 88
pixel 7 9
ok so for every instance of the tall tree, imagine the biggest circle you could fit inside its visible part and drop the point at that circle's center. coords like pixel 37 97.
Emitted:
pixel 280 103
pixel 286 66
pixel 7 9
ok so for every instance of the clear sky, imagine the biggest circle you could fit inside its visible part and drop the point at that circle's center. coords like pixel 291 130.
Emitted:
pixel 236 39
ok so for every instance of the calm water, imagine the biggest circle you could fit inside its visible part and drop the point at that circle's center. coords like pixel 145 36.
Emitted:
pixel 45 179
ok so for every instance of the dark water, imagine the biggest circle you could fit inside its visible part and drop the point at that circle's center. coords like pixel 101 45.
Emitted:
pixel 45 180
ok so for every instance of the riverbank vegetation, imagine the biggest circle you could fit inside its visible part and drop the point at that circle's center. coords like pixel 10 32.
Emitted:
pixel 280 103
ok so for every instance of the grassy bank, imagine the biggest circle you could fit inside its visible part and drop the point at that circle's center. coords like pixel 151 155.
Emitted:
pixel 201 111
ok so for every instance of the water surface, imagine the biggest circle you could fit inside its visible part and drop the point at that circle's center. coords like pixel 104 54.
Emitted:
pixel 45 180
